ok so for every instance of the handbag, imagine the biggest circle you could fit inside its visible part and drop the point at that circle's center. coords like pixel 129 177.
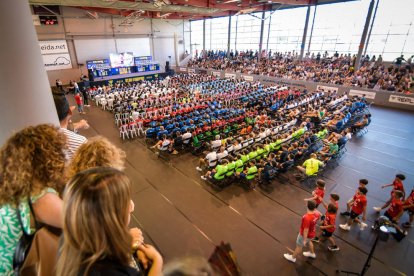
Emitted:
pixel 24 244
pixel 36 254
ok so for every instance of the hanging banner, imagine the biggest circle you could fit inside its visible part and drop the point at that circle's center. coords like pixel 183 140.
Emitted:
pixel 328 89
pixel 191 70
pixel 216 73
pixel 247 77
pixel 230 75
pixel 57 62
pixel 401 100
pixel 361 93
pixel 183 69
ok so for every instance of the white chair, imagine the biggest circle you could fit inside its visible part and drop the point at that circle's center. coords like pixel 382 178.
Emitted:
pixel 110 104
pixel 103 103
pixel 140 128
pixel 118 120
pixel 123 131
pixel 97 98
pixel 133 130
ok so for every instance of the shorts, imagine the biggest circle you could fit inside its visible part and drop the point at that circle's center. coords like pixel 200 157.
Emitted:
pixel 299 241
pixel 326 234
pixel 242 175
pixel 389 217
pixel 353 215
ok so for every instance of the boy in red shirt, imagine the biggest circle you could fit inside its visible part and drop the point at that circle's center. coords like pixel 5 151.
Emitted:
pixel 409 207
pixel 397 185
pixel 362 183
pixel 78 100
pixel 318 193
pixel 328 226
pixel 359 207
pixel 306 233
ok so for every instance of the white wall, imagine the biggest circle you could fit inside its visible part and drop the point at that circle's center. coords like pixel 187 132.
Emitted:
pixel 95 38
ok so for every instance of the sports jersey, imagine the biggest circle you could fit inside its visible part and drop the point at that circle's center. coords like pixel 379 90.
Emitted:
pixel 320 192
pixel 410 201
pixel 395 208
pixel 251 173
pixel 239 165
pixel 360 201
pixel 221 171
pixel 330 220
pixel 312 166
pixel 309 221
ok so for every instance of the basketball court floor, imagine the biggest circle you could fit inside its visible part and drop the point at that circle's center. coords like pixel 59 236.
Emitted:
pixel 183 216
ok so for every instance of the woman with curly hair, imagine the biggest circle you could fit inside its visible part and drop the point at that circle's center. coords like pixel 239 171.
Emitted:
pixel 32 163
pixel 96 152
pixel 100 244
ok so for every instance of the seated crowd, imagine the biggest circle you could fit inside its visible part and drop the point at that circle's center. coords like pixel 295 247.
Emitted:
pixel 336 69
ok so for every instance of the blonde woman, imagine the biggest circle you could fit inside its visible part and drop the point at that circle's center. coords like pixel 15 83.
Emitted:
pixel 100 244
pixel 31 168
pixel 96 152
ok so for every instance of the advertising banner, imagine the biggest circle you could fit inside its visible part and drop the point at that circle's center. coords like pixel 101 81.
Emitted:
pixel 230 75
pixel 247 77
pixel 401 100
pixel 53 47
pixel 57 61
pixel 360 93
pixel 328 89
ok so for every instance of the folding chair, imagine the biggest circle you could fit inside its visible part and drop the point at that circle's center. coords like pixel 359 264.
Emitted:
pixel 123 131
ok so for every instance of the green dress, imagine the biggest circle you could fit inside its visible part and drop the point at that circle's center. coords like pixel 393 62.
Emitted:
pixel 10 230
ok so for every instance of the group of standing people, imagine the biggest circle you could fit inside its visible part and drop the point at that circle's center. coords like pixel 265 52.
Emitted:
pixel 356 209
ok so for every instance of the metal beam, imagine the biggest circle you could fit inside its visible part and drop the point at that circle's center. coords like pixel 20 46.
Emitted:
pixel 313 24
pixel 261 35
pixel 305 30
pixel 204 34
pixel 372 26
pixel 364 35
pixel 228 37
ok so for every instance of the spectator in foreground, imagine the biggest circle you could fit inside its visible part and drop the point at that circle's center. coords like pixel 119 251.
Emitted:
pixel 31 164
pixel 101 244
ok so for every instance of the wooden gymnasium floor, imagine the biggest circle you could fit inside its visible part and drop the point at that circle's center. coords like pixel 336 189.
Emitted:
pixel 182 216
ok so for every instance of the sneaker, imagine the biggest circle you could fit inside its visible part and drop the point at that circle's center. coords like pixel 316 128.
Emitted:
pixel 345 227
pixel 333 247
pixel 407 225
pixel 309 254
pixel 175 152
pixel 289 257
pixel 362 226
pixel 199 169
pixel 345 213
pixel 315 239
pixel 203 177
pixel 377 209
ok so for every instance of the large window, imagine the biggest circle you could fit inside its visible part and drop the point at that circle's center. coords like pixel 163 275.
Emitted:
pixel 337 27
pixel 393 31
pixel 196 36
pixel 286 30
pixel 248 31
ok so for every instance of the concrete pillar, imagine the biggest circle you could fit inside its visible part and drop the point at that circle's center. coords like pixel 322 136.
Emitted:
pixel 364 35
pixel 176 56
pixel 305 31
pixel 261 35
pixel 26 98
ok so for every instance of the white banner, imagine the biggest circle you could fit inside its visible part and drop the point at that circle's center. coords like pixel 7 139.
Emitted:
pixel 191 70
pixel 57 61
pixel 216 73
pixel 230 75
pixel 361 93
pixel 328 89
pixel 183 69
pixel 247 77
pixel 53 47
pixel 401 100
